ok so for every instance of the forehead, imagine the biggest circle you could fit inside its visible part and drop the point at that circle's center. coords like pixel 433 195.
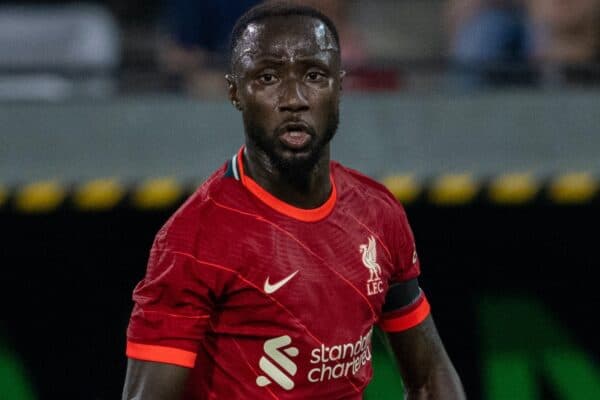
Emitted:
pixel 285 37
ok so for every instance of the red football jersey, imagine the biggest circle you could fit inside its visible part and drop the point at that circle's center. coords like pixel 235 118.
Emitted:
pixel 264 300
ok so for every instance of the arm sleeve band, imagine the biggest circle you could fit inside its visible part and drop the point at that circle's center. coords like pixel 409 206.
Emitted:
pixel 401 294
pixel 400 313
pixel 162 354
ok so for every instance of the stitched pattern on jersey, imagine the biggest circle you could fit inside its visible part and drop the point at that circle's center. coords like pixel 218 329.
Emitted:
pixel 239 276
pixel 306 248
pixel 249 364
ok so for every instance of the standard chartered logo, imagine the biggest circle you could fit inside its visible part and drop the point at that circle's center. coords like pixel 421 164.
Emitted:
pixel 335 362
pixel 275 364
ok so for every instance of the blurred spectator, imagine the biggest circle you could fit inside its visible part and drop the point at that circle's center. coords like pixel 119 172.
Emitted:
pixel 524 42
pixel 488 42
pixel 195 49
pixel 565 37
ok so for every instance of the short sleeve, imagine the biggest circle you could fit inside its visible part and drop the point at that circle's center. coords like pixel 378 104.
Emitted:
pixel 406 305
pixel 403 248
pixel 173 305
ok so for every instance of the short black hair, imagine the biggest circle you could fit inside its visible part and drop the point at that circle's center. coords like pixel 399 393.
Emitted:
pixel 277 9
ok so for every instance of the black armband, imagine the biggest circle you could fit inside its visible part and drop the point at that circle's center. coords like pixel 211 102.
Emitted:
pixel 401 294
pixel 405 307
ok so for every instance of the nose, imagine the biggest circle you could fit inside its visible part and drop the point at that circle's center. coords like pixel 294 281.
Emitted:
pixel 292 97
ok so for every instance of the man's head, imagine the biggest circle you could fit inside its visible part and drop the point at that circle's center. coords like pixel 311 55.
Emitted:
pixel 286 80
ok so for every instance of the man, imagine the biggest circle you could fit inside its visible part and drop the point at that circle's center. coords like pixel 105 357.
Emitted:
pixel 267 282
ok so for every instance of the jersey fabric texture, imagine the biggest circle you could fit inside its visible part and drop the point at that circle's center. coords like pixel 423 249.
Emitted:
pixel 264 300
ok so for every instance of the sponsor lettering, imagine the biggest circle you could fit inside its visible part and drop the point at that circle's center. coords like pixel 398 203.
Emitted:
pixel 335 362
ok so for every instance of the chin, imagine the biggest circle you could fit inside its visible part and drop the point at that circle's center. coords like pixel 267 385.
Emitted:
pixel 297 161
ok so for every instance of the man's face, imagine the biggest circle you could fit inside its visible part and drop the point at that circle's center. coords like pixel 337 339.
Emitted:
pixel 287 82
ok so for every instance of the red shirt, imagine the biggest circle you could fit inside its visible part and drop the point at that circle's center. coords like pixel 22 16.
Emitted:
pixel 265 300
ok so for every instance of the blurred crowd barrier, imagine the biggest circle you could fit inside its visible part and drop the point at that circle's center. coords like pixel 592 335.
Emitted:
pixel 134 138
pixel 63 49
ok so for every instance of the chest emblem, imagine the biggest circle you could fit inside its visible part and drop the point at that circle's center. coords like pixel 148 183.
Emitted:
pixel 369 259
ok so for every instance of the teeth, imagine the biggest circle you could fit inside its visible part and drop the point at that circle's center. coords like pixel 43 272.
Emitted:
pixel 296 133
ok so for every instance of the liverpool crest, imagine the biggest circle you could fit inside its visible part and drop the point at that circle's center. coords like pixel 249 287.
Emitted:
pixel 369 259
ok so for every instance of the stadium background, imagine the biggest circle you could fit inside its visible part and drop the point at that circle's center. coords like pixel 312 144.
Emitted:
pixel 500 183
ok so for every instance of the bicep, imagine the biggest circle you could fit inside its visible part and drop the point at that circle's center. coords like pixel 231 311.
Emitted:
pixel 146 380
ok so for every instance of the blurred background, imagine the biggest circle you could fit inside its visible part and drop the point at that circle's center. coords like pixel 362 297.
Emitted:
pixel 481 116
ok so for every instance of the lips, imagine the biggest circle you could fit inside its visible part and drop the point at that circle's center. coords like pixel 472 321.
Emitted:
pixel 295 135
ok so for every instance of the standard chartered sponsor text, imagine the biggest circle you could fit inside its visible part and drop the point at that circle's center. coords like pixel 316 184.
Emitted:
pixel 335 362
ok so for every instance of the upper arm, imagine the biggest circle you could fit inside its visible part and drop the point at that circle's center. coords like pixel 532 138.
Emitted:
pixel 172 309
pixel 173 305
pixel 147 380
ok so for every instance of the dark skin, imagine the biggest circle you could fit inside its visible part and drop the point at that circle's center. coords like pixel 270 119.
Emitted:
pixel 286 70
pixel 289 77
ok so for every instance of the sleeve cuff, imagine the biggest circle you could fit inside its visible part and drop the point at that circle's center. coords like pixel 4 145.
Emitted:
pixel 162 354
pixel 407 317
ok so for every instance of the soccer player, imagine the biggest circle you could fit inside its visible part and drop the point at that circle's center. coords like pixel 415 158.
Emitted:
pixel 267 282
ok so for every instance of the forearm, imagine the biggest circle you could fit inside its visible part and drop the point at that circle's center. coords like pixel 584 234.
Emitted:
pixel 153 381
pixel 442 384
pixel 426 369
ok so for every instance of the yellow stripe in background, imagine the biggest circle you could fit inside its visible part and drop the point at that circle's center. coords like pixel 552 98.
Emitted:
pixel 157 194
pixel 40 197
pixel 453 189
pixel 98 195
pixel 515 188
pixel 573 188
pixel 404 187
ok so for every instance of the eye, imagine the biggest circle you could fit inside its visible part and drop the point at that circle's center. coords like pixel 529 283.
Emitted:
pixel 315 76
pixel 267 78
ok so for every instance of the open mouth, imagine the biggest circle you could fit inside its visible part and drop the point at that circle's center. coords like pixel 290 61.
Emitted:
pixel 295 136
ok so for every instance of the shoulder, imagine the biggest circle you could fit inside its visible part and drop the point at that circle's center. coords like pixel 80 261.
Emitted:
pixel 374 204
pixel 192 218
pixel 354 184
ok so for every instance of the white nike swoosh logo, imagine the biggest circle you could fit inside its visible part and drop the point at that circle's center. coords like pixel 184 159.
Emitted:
pixel 269 289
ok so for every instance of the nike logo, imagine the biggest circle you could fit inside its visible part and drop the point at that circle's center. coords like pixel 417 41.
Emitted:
pixel 272 288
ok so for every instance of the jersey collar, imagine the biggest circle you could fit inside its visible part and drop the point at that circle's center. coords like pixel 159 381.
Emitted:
pixel 236 168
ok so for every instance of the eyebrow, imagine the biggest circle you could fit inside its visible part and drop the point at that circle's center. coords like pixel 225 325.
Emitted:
pixel 268 59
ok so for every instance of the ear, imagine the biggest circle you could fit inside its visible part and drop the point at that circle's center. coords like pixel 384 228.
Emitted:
pixel 342 76
pixel 232 91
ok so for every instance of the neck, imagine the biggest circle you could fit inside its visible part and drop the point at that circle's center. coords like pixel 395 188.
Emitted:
pixel 303 189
